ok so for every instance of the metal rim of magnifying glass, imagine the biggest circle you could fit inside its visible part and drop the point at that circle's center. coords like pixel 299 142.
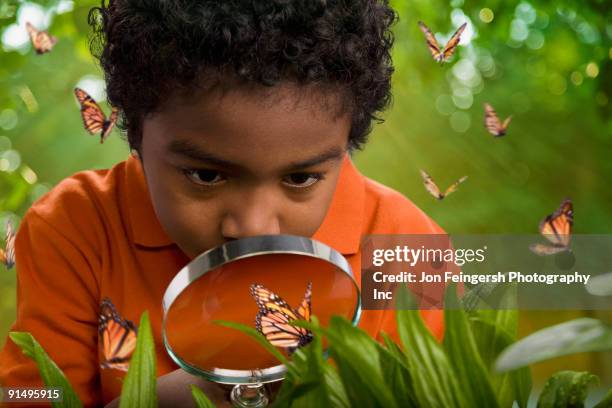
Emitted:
pixel 241 249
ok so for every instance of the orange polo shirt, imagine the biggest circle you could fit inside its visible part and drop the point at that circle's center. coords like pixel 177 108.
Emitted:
pixel 96 235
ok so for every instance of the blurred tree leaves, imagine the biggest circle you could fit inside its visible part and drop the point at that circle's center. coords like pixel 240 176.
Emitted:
pixel 546 63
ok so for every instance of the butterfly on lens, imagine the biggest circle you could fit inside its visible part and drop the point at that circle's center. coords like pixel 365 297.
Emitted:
pixel 557 229
pixel 118 337
pixel 94 119
pixel 275 316
pixel 42 41
pixel 444 54
pixel 7 255
pixel 492 123
pixel 433 188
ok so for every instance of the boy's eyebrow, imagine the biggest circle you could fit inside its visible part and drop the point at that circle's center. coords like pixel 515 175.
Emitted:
pixel 188 149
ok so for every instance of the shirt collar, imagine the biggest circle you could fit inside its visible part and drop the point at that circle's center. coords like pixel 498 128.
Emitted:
pixel 340 229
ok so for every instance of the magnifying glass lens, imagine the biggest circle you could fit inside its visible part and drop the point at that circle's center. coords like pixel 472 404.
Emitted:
pixel 265 291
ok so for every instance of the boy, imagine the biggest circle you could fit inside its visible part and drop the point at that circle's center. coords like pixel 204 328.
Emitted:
pixel 241 116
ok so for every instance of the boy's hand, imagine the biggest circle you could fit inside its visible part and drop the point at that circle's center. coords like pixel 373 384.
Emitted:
pixel 174 390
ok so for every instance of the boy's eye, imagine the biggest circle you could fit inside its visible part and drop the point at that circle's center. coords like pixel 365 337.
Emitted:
pixel 302 180
pixel 204 177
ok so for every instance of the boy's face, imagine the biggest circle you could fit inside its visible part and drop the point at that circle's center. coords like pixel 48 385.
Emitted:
pixel 231 165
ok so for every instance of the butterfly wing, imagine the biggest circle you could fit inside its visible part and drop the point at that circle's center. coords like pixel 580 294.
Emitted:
pixel 42 41
pixel 557 227
pixel 10 246
pixel 108 125
pixel 543 249
pixel 305 308
pixel 432 44
pixel 276 328
pixel 93 116
pixel 431 186
pixel 492 122
pixel 506 123
pixel 118 337
pixel 453 187
pixel 452 44
pixel 274 319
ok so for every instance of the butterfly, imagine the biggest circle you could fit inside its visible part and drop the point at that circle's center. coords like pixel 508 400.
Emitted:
pixel 93 117
pixel 448 51
pixel 41 40
pixel 433 188
pixel 557 228
pixel 118 337
pixel 7 256
pixel 492 122
pixel 275 315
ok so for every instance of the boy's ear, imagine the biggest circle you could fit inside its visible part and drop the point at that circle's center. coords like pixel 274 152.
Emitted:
pixel 135 153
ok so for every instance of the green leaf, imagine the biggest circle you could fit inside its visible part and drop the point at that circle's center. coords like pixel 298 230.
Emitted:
pixel 260 338
pixel 505 315
pixel 606 402
pixel 51 374
pixel 566 389
pixel 576 336
pixel 494 330
pixel 396 372
pixel 394 349
pixel 356 353
pixel 464 355
pixel 139 388
pixel 436 384
pixel 511 386
pixel 600 285
pixel 200 399
pixel 311 380
pixel 492 296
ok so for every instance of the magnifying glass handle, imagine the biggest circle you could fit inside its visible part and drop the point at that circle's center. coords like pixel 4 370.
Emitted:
pixel 249 396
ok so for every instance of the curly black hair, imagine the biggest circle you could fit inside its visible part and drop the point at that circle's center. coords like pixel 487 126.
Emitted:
pixel 149 48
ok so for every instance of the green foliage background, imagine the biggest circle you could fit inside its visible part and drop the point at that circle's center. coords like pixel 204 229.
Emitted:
pixel 547 63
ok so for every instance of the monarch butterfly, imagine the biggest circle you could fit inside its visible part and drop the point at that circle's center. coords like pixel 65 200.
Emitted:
pixel 557 228
pixel 492 122
pixel 7 256
pixel 93 117
pixel 118 337
pixel 433 188
pixel 275 315
pixel 445 54
pixel 42 41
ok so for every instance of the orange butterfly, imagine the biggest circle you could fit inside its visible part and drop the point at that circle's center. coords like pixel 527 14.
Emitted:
pixel 445 54
pixel 275 315
pixel 433 188
pixel 42 41
pixel 492 122
pixel 557 228
pixel 93 117
pixel 118 337
pixel 7 256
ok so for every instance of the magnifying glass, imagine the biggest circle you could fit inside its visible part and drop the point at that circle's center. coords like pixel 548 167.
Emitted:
pixel 263 282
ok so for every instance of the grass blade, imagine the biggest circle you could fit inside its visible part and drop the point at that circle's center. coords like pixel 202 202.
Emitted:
pixel 356 353
pixel 260 338
pixel 51 374
pixel 464 355
pixel 200 399
pixel 436 384
pixel 140 384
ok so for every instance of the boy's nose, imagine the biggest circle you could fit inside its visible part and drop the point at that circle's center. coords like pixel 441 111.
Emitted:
pixel 254 215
